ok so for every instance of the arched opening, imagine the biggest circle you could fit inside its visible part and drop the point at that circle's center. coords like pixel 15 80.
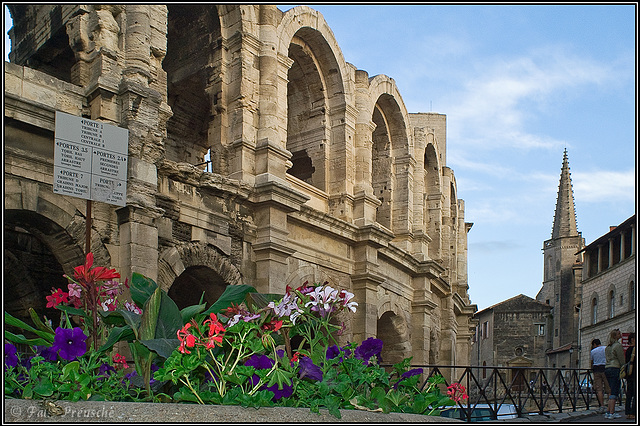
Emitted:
pixel 307 112
pixel 394 333
pixel 193 83
pixel 594 311
pixel 31 268
pixel 381 167
pixel 188 287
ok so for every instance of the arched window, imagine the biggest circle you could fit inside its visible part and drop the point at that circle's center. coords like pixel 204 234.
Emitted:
pixel 484 370
pixel 612 304
pixel 632 296
pixel 594 311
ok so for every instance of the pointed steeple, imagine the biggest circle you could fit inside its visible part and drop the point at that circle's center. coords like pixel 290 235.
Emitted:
pixel 564 222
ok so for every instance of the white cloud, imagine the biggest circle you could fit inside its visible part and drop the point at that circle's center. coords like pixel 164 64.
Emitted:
pixel 604 186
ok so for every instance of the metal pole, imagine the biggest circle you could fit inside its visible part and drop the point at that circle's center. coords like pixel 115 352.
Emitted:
pixel 92 290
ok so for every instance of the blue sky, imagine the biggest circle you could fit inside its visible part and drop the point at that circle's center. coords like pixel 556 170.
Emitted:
pixel 518 85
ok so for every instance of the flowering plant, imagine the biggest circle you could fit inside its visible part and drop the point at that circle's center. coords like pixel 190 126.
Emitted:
pixel 243 354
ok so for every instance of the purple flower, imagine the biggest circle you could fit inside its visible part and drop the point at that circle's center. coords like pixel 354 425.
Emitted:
pixel 407 374
pixel 309 369
pixel 368 348
pixel 48 353
pixel 285 392
pixel 105 370
pixel 10 356
pixel 70 343
pixel 259 361
pixel 333 351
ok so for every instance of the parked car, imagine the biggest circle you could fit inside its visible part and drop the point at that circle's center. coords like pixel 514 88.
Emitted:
pixel 481 412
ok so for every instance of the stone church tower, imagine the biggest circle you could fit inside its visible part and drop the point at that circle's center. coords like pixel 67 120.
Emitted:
pixel 257 155
pixel 561 288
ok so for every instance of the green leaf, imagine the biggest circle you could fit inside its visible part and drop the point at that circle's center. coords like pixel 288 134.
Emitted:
pixel 261 300
pixel 20 339
pixel 117 334
pixel 113 317
pixel 163 347
pixel 39 323
pixel 70 368
pixel 232 294
pixel 169 318
pixel 73 311
pixel 133 321
pixel 191 311
pixel 141 288
pixel 11 320
pixel 44 388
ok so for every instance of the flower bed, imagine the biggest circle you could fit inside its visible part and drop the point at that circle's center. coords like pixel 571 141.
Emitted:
pixel 239 351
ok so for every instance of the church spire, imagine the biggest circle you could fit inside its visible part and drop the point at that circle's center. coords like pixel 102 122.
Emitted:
pixel 564 222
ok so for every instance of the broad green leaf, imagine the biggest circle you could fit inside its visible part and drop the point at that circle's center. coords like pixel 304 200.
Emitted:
pixel 261 300
pixel 70 368
pixel 232 294
pixel 169 318
pixel 117 334
pixel 141 288
pixel 113 317
pixel 149 319
pixel 163 347
pixel 133 320
pixel 191 311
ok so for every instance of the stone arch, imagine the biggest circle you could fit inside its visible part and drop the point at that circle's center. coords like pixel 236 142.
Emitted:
pixel 198 260
pixel 392 155
pixel 55 220
pixel 194 85
pixel 317 128
pixel 44 237
pixel 393 330
pixel 631 288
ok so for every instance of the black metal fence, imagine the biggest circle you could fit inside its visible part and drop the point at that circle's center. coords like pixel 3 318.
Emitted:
pixel 529 391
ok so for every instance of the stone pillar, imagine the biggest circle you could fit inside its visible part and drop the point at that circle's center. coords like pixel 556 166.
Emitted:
pixel 421 311
pixel 364 203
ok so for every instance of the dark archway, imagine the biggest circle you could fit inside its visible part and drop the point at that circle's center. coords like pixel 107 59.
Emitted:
pixel 393 332
pixel 188 287
pixel 31 268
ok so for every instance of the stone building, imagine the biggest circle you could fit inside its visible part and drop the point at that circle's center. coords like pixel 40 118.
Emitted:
pixel 608 286
pixel 562 285
pixel 512 333
pixel 257 155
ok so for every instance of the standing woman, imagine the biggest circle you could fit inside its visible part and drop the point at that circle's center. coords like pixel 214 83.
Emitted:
pixel 615 359
pixel 630 357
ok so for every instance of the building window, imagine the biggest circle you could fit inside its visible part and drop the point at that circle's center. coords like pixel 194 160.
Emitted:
pixel 484 370
pixel 556 332
pixel 485 329
pixel 594 311
pixel 540 329
pixel 632 296
pixel 612 304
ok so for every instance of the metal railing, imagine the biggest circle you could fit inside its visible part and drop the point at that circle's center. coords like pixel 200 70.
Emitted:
pixel 530 390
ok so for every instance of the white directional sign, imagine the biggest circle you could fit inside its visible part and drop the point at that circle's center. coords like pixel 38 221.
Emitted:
pixel 90 159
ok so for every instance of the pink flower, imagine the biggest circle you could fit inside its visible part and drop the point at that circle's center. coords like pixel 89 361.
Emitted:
pixel 74 290
pixel 120 361
pixel 456 392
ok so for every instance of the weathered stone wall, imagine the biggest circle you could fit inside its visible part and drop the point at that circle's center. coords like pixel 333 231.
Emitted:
pixel 317 172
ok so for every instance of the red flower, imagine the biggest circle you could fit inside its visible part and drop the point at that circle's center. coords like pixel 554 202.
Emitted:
pixel 120 361
pixel 294 358
pixel 272 325
pixel 85 275
pixel 216 331
pixel 57 297
pixel 187 340
pixel 456 392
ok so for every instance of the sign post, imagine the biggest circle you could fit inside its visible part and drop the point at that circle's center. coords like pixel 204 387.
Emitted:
pixel 90 161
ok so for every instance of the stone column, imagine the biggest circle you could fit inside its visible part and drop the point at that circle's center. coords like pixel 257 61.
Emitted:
pixel 273 197
pixel 144 112
pixel 364 202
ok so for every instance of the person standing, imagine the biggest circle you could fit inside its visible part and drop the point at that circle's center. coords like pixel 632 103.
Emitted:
pixel 630 357
pixel 614 360
pixel 600 382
